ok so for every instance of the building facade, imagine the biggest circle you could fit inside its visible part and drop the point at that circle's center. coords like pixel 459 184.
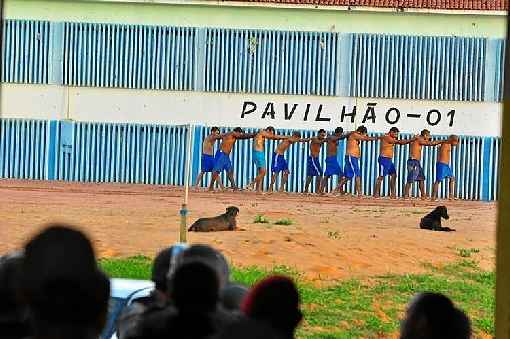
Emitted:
pixel 98 90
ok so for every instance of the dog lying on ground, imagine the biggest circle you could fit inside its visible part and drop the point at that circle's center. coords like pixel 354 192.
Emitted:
pixel 224 222
pixel 432 221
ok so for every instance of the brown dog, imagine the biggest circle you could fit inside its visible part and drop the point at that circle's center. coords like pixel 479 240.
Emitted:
pixel 224 222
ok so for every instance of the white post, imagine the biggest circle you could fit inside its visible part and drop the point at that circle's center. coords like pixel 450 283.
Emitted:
pixel 187 170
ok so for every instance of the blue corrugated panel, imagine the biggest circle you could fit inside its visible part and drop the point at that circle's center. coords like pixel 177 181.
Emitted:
pixel 129 153
pixel 418 67
pixel 129 56
pixel 23 149
pixel 276 62
pixel 500 70
pixel 25 50
pixel 156 154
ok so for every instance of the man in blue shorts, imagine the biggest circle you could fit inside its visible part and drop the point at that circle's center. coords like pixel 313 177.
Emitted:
pixel 332 165
pixel 385 160
pixel 351 166
pixel 259 156
pixel 222 158
pixel 279 163
pixel 415 172
pixel 207 160
pixel 443 169
pixel 314 168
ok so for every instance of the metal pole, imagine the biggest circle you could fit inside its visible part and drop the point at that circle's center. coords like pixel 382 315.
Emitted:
pixel 187 169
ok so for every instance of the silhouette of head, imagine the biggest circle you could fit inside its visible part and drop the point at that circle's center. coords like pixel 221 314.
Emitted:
pixel 275 300
pixel 433 316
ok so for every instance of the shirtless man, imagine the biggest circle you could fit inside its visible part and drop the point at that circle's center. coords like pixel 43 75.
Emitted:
pixel 385 160
pixel 222 158
pixel 351 167
pixel 279 163
pixel 314 168
pixel 443 169
pixel 259 157
pixel 332 165
pixel 207 161
pixel 414 170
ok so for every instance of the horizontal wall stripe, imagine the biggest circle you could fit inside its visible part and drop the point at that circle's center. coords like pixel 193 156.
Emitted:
pixel 416 67
pixel 129 56
pixel 252 61
pixel 25 49
pixel 156 154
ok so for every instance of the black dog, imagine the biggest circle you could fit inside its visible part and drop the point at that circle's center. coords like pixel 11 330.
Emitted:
pixel 224 222
pixel 432 221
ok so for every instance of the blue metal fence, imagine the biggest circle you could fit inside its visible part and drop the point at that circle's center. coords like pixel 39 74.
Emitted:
pixel 25 51
pixel 156 154
pixel 23 149
pixel 418 67
pixel 254 61
pixel 500 70
pixel 129 56
pixel 128 153
pixel 276 62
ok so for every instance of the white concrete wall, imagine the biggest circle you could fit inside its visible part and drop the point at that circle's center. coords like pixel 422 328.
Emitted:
pixel 224 109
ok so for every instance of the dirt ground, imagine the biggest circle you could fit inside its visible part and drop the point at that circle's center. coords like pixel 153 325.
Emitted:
pixel 331 238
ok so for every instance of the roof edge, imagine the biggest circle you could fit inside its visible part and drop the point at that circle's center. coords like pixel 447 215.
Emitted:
pixel 234 3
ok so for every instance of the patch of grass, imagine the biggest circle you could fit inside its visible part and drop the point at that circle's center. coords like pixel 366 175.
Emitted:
pixel 362 308
pixel 260 219
pixel 334 235
pixel 285 222
pixel 466 252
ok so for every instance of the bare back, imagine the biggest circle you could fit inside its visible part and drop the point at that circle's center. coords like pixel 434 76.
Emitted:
pixel 208 144
pixel 332 146
pixel 387 146
pixel 353 145
pixel 315 147
pixel 283 146
pixel 444 153
pixel 415 149
pixel 258 141
pixel 227 143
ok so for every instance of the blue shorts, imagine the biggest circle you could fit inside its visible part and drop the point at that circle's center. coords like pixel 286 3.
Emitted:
pixel 259 159
pixel 386 166
pixel 207 163
pixel 351 168
pixel 414 171
pixel 443 171
pixel 333 167
pixel 314 168
pixel 222 162
pixel 279 163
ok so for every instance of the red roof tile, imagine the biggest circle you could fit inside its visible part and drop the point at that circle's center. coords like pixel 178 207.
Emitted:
pixel 493 5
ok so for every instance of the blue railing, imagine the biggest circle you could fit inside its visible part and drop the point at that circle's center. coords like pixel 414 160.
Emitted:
pixel 156 154
pixel 415 67
pixel 252 61
pixel 25 51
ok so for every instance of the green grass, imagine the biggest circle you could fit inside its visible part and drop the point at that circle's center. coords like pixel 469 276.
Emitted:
pixel 365 308
pixel 284 222
pixel 466 252
pixel 334 235
pixel 260 219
